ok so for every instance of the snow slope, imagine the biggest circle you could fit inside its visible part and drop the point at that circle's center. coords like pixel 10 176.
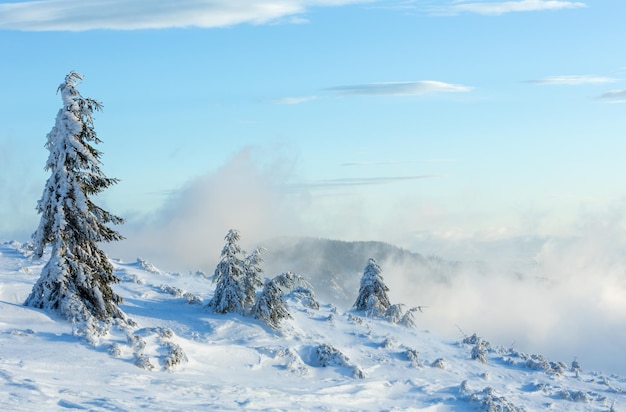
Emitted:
pixel 180 356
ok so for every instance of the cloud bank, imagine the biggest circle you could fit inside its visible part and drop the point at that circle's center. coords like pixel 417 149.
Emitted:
pixel 77 15
pixel 399 88
pixel 557 296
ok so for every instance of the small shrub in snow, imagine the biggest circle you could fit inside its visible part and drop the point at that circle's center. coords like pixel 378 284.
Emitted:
pixel 137 343
pixel 306 297
pixel 165 333
pixel 355 319
pixel 175 356
pixel 191 298
pixel 489 402
pixel 171 290
pixel 394 313
pixel 142 361
pixel 412 356
pixel 439 363
pixel 389 343
pixel 115 350
pixel 557 368
pixel 479 351
pixel 294 363
pixel 26 332
pixel 473 340
pixel 575 396
pixel 147 266
pixel 327 355
pixel 358 373
pixel 408 319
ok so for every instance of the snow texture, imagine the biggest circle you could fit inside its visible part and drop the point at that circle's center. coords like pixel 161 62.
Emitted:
pixel 179 356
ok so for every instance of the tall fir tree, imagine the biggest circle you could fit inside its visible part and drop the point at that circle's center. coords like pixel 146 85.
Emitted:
pixel 373 291
pixel 76 281
pixel 229 295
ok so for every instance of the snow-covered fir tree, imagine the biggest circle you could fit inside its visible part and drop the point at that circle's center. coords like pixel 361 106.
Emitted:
pixel 373 291
pixel 271 306
pixel 77 279
pixel 252 279
pixel 230 294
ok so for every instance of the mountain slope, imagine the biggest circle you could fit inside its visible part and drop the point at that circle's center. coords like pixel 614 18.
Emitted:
pixel 334 267
pixel 180 356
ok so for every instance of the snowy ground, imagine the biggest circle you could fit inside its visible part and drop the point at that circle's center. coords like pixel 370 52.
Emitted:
pixel 180 356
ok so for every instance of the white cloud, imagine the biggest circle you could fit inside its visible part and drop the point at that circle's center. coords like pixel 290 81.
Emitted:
pixel 188 230
pixel 80 15
pixel 400 88
pixel 503 7
pixel 574 80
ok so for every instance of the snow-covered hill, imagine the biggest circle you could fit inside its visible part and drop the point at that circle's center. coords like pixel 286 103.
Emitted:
pixel 180 356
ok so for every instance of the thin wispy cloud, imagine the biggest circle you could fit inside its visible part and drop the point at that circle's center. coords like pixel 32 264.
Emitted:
pixel 293 100
pixel 505 7
pixel 400 88
pixel 574 80
pixel 614 96
pixel 81 15
pixel 358 181
pixel 391 163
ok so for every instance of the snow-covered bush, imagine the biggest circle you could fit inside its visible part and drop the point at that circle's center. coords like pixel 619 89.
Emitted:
pixel 479 351
pixel 413 356
pixel 115 350
pixel 358 372
pixel 305 296
pixel 142 361
pixel 394 313
pixel 271 306
pixel 439 363
pixel 488 401
pixel 327 355
pixel 175 356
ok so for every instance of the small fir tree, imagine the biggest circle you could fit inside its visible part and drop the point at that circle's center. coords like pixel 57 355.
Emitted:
pixel 230 294
pixel 76 281
pixel 373 291
pixel 271 306
pixel 252 279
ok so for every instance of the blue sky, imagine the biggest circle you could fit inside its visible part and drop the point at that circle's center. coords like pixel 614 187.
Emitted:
pixel 388 120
